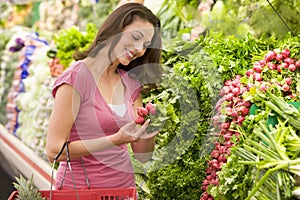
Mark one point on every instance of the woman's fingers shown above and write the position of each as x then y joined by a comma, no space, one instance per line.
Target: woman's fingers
142,130
147,122
149,135
143,133
138,132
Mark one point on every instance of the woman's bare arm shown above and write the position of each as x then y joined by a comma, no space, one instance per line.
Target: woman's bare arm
64,113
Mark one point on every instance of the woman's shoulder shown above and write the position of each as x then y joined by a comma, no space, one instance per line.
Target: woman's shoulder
77,75
75,66
76,69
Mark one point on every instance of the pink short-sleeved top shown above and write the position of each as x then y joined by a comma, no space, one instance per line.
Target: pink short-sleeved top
110,168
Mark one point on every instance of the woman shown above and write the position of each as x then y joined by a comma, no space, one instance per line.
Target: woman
96,100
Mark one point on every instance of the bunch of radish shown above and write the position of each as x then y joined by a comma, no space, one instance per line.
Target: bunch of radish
278,63
232,109
143,113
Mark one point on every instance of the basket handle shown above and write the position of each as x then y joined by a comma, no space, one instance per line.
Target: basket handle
65,145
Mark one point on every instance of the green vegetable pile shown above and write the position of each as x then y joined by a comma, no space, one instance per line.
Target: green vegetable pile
67,41
204,65
264,161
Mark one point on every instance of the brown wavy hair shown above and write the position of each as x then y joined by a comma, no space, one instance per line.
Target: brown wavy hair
146,69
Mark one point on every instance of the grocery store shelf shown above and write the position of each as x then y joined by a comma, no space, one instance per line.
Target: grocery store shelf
21,158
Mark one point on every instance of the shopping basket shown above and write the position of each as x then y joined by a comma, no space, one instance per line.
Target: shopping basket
87,194
84,193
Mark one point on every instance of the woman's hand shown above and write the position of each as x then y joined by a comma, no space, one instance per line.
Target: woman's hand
132,132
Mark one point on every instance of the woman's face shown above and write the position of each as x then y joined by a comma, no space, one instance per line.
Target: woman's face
135,39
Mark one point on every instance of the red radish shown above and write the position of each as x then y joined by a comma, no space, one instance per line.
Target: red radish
227,137
238,77
229,97
215,182
234,83
286,53
236,91
279,57
227,83
258,67
149,106
139,120
271,55
141,111
213,174
214,161
205,182
298,64
222,92
288,81
257,77
272,66
222,159
241,118
217,144
249,72
215,166
226,125
220,164
228,144
228,151
279,68
214,154
231,87
244,110
285,87
285,65
262,62
247,103
289,61
208,170
223,131
239,84
222,149
264,87
226,89
292,67
152,111
205,195
234,113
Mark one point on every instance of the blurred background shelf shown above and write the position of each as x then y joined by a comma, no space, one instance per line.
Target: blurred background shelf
17,158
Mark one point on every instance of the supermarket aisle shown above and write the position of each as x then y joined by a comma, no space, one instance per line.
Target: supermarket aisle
6,179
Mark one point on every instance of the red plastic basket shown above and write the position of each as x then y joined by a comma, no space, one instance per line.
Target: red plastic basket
87,194
84,193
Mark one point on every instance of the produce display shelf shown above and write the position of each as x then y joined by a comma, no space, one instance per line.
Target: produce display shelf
24,160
